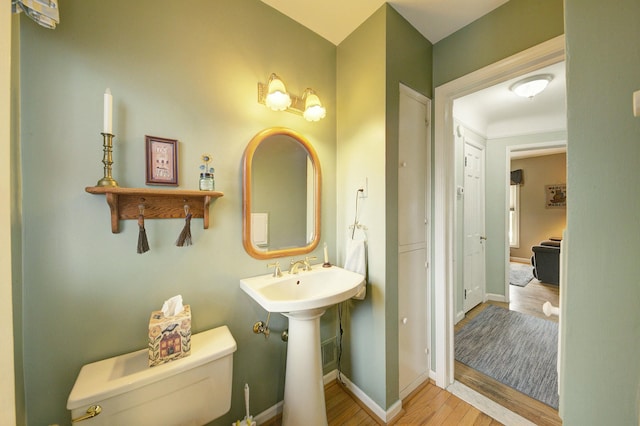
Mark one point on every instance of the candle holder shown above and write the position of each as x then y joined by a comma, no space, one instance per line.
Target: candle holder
107,160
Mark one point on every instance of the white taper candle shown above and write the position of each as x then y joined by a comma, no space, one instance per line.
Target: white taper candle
326,254
108,112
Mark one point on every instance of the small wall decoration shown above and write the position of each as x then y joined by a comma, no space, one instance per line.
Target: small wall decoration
162,161
556,196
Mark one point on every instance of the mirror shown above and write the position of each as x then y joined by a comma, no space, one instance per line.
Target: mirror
281,195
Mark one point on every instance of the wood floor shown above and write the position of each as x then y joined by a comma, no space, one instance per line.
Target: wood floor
428,405
527,300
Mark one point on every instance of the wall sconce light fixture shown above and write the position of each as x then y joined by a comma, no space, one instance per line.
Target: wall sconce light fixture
531,86
277,97
274,95
313,109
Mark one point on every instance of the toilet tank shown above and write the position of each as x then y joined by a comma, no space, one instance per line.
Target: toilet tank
188,391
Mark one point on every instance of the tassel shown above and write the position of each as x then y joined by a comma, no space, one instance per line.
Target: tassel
184,239
143,244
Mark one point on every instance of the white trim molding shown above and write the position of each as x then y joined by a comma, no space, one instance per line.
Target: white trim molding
384,415
542,55
494,297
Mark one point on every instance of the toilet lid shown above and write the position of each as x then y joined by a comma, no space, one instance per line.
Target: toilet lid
113,376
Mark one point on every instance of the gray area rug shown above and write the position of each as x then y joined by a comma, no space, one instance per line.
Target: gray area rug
518,350
520,274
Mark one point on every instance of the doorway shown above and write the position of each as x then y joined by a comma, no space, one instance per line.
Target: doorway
445,236
533,222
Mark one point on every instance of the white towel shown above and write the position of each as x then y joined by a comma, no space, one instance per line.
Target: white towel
356,261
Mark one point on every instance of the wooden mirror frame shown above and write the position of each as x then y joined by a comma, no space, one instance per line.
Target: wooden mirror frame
246,194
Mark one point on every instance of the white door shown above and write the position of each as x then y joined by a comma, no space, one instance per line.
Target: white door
474,238
413,240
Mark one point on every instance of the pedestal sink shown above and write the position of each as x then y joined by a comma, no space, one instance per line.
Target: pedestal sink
303,298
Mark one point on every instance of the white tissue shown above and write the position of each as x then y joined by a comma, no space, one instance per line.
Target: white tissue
173,306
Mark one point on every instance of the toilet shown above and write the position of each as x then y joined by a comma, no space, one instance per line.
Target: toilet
189,391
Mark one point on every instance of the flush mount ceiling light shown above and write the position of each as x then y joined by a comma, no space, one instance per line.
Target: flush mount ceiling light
274,95
531,86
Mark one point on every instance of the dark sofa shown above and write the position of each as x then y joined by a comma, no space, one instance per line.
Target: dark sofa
546,261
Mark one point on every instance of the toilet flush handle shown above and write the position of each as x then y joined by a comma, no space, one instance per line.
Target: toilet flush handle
92,411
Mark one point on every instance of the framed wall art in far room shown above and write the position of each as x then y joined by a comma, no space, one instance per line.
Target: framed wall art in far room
556,196
162,161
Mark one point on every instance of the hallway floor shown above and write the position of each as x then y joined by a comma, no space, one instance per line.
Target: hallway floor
527,300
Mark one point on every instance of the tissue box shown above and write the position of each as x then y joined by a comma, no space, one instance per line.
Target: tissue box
169,337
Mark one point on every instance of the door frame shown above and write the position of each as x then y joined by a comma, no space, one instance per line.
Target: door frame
445,237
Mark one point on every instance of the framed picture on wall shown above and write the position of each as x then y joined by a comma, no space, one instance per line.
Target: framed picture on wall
162,161
556,196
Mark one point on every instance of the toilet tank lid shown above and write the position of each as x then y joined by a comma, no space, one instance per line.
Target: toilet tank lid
113,376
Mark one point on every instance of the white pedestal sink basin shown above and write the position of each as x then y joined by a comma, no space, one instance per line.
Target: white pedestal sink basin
303,298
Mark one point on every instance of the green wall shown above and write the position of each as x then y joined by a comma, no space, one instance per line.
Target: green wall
188,73
383,52
361,101
509,29
602,333
16,220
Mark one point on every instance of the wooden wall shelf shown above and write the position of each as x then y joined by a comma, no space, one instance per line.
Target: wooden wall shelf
158,203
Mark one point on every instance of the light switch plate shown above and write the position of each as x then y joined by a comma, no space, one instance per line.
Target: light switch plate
636,103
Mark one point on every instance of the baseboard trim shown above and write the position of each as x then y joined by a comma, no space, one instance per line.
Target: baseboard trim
494,297
269,414
330,377
384,415
459,317
520,259
419,381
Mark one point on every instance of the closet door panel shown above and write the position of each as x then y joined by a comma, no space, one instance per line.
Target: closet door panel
412,300
412,172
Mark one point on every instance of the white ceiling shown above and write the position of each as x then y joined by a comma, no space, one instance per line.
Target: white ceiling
336,19
495,111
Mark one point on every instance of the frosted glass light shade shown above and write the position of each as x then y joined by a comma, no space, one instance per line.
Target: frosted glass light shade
313,109
531,86
277,97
